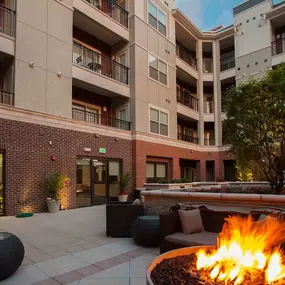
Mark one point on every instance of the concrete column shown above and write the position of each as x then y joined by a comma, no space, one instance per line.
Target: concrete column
200,91
219,169
217,93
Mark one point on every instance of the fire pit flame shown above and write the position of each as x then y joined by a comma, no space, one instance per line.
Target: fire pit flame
245,247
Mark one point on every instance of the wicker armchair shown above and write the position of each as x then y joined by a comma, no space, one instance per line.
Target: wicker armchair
120,217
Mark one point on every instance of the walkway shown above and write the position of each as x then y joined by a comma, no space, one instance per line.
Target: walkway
71,248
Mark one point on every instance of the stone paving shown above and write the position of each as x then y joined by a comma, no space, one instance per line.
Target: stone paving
71,248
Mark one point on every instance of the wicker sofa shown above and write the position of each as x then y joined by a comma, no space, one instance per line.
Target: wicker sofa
171,236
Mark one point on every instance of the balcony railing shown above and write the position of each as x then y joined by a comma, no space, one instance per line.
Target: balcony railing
278,46
99,63
227,61
6,98
7,21
209,141
185,55
208,66
112,9
186,98
209,107
94,118
187,138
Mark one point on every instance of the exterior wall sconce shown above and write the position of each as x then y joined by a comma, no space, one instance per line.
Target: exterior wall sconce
59,74
105,109
97,136
117,139
209,153
32,64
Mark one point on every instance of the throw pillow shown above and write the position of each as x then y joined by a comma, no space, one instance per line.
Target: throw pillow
191,221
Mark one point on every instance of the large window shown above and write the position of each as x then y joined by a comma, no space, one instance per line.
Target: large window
157,69
156,171
156,18
158,122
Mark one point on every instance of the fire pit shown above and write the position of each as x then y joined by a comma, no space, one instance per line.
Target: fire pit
247,253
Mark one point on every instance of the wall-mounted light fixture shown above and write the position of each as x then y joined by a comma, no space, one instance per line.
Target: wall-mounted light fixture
32,64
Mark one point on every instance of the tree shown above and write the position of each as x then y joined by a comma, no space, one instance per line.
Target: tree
255,126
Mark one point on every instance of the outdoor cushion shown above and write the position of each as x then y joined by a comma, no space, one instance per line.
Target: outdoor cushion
191,221
203,238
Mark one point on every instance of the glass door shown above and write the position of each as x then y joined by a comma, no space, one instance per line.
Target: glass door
1,184
100,192
114,180
83,185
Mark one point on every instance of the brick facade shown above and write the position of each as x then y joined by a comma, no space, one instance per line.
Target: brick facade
28,160
28,149
145,149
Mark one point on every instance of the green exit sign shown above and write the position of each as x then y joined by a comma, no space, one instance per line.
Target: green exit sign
102,150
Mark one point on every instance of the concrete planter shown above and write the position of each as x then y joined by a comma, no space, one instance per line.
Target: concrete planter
53,206
123,197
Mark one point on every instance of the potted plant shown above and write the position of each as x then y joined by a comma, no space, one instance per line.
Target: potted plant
54,186
124,182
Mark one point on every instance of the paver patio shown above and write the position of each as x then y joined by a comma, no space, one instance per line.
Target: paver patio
71,248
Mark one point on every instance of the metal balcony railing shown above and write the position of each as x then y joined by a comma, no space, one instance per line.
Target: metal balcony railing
209,107
278,46
186,56
187,138
99,63
209,141
94,118
112,9
227,61
186,98
6,97
7,21
208,66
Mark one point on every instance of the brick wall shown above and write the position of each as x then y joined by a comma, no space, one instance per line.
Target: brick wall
144,149
27,161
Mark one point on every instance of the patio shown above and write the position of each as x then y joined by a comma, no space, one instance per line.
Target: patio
71,248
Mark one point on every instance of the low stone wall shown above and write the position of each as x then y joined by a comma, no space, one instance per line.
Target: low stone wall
159,201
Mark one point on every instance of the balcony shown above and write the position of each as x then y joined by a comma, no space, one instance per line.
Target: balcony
185,98
209,107
113,10
186,56
278,51
208,70
99,72
7,21
6,98
187,138
96,118
104,19
208,142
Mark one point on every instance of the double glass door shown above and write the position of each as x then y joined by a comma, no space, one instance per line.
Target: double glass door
97,181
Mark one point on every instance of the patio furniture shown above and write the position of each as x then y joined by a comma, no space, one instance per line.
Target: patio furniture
171,230
145,231
120,217
11,254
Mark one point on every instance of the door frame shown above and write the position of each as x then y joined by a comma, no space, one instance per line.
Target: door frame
4,181
92,186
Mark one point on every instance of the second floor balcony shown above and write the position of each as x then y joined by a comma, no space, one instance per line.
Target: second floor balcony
186,56
100,64
209,141
185,98
6,97
187,138
7,21
95,118
208,66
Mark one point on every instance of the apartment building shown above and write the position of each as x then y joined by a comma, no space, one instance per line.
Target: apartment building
96,88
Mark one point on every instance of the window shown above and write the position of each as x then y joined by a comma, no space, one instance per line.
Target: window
88,113
156,171
157,69
158,122
156,18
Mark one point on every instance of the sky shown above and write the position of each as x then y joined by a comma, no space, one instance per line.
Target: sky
207,14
